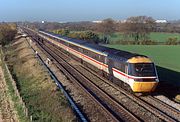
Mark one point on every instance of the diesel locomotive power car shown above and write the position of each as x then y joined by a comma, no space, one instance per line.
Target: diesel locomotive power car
138,72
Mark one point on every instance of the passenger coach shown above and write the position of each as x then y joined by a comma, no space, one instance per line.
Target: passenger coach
135,71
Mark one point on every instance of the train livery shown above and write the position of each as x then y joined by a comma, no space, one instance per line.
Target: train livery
135,71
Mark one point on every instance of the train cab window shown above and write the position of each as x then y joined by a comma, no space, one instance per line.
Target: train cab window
142,69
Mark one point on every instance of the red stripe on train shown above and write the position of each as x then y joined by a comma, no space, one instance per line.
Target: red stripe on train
119,72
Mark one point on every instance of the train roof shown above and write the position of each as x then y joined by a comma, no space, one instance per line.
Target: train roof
67,38
81,43
111,52
116,54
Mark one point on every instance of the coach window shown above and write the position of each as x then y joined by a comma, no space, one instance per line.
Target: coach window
95,55
69,45
75,47
91,54
105,60
65,43
80,49
100,59
123,67
120,66
86,52
72,46
116,65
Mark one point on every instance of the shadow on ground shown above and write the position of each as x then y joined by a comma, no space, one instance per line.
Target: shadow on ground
169,85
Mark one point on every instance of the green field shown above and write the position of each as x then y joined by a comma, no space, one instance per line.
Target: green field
161,37
156,36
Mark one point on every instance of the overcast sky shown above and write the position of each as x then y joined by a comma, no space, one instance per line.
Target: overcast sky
83,10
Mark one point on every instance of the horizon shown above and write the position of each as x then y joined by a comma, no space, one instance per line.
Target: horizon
94,21
90,10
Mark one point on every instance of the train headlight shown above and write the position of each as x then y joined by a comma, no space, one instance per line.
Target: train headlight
131,81
157,80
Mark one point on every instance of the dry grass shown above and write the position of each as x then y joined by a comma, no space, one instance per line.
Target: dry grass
7,110
177,98
44,101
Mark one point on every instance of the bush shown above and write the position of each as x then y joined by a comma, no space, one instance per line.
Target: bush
148,42
63,32
172,41
7,33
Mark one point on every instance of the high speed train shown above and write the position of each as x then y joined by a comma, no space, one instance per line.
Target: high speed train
135,71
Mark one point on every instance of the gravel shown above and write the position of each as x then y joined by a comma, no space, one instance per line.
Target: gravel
168,101
87,106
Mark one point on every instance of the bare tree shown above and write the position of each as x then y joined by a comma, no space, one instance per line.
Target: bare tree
7,32
107,27
139,27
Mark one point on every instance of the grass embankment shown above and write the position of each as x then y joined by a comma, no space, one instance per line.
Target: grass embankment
40,94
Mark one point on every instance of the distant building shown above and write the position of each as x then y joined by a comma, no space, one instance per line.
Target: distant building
98,21
161,21
122,21
61,22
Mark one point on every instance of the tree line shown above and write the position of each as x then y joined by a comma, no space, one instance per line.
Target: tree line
7,32
135,30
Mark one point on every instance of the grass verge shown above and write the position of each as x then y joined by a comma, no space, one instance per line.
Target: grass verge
44,101
11,91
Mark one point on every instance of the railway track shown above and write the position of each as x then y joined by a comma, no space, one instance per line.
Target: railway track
169,110
155,106
167,116
111,107
158,108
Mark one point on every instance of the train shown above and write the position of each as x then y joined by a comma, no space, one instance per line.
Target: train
136,72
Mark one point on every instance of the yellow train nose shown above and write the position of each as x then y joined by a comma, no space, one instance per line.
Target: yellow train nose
144,86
